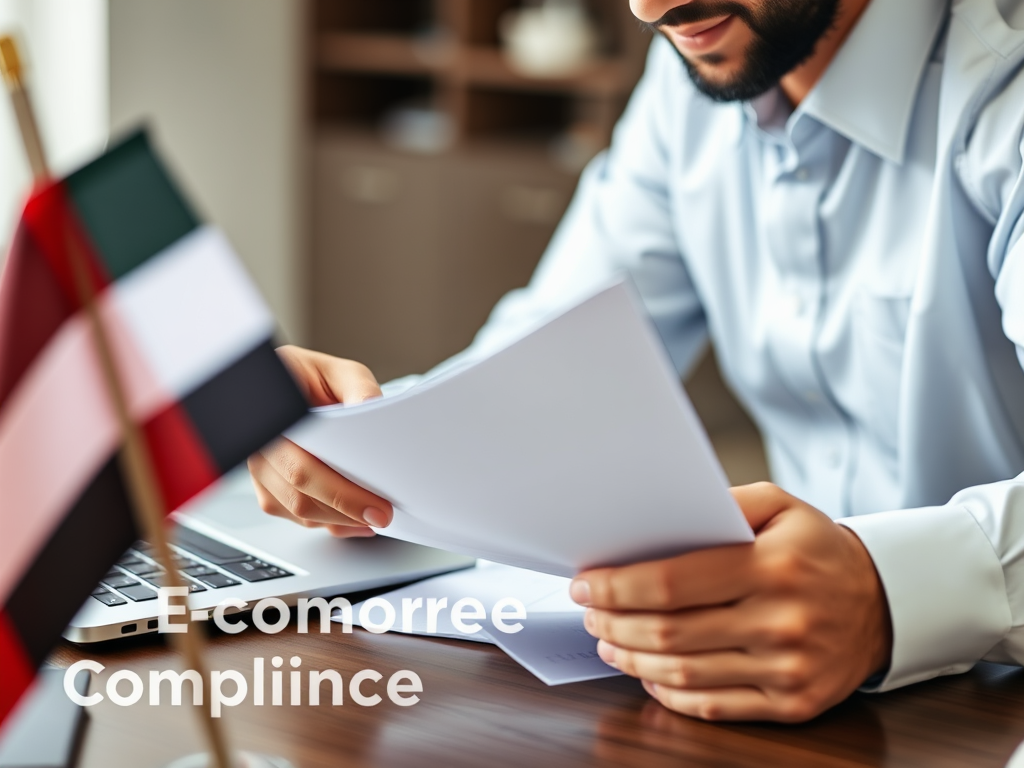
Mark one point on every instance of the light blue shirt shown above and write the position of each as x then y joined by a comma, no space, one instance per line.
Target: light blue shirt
858,264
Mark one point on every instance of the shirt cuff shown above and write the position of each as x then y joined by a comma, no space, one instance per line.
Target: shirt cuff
945,587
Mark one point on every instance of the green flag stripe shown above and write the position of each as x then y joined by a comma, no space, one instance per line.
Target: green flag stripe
129,205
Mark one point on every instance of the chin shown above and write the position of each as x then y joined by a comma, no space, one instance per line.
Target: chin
723,76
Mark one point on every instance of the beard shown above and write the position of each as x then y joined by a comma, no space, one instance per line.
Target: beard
785,35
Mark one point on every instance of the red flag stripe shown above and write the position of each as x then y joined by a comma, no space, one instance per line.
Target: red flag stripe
54,224
182,463
18,673
32,308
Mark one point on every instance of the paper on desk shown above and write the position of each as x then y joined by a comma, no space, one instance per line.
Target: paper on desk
552,644
487,582
556,648
574,446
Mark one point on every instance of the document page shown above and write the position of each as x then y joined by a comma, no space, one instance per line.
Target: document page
573,447
487,582
550,640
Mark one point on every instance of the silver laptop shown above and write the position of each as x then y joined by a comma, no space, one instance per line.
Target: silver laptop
225,546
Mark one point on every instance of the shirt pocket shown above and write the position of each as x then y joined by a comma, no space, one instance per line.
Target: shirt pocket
879,335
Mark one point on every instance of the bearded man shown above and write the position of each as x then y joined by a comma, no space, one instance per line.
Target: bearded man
831,192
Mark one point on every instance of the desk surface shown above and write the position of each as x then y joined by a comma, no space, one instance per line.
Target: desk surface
480,708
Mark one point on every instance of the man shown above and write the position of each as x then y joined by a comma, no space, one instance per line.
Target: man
833,193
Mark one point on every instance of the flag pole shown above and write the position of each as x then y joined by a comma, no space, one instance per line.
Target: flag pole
135,459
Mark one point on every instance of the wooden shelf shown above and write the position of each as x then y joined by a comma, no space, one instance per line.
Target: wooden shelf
378,54
489,67
467,65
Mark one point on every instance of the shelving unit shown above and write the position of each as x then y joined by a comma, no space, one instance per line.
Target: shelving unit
410,251
448,51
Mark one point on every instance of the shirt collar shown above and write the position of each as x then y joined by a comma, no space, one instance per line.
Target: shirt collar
869,90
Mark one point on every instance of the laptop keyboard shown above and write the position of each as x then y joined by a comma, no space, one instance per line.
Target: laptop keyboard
202,562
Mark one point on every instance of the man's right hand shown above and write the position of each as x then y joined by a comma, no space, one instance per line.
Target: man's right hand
297,486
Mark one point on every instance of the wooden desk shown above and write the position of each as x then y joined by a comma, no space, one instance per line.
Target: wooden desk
479,708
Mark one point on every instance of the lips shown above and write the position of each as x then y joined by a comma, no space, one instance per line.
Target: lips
700,38
697,28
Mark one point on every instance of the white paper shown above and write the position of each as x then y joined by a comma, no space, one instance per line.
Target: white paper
556,648
552,644
487,582
573,447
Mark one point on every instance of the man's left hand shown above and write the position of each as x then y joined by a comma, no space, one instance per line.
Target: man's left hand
781,629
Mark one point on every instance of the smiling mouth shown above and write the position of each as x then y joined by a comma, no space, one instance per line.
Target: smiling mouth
697,29
699,38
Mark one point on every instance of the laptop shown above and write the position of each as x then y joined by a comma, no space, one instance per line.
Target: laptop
225,546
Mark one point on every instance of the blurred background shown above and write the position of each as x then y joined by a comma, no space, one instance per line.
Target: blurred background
387,170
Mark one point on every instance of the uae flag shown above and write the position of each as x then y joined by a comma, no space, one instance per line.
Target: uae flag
191,338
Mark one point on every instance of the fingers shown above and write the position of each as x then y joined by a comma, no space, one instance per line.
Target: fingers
703,629
707,577
310,490
295,485
760,502
298,505
692,672
326,379
725,704
272,506
700,671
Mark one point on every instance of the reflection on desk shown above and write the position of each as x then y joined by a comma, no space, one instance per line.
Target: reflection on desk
479,707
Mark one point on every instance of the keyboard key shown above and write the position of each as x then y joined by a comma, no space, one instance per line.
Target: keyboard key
255,570
159,580
118,581
98,591
215,551
193,587
129,559
198,570
109,598
139,593
218,580
143,569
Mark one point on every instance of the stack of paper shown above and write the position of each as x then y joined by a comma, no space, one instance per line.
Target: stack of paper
573,447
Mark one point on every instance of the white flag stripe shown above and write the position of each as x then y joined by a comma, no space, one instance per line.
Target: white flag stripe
192,309
58,429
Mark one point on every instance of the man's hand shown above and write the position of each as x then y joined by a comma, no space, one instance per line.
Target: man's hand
297,486
781,629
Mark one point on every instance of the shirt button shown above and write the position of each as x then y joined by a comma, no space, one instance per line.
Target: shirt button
834,459
801,174
812,396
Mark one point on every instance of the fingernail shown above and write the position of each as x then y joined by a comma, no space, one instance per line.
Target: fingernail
375,517
579,591
607,653
589,620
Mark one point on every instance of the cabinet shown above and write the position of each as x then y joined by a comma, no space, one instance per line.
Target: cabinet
411,252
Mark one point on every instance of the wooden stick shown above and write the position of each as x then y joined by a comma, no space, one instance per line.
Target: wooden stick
134,457
10,65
